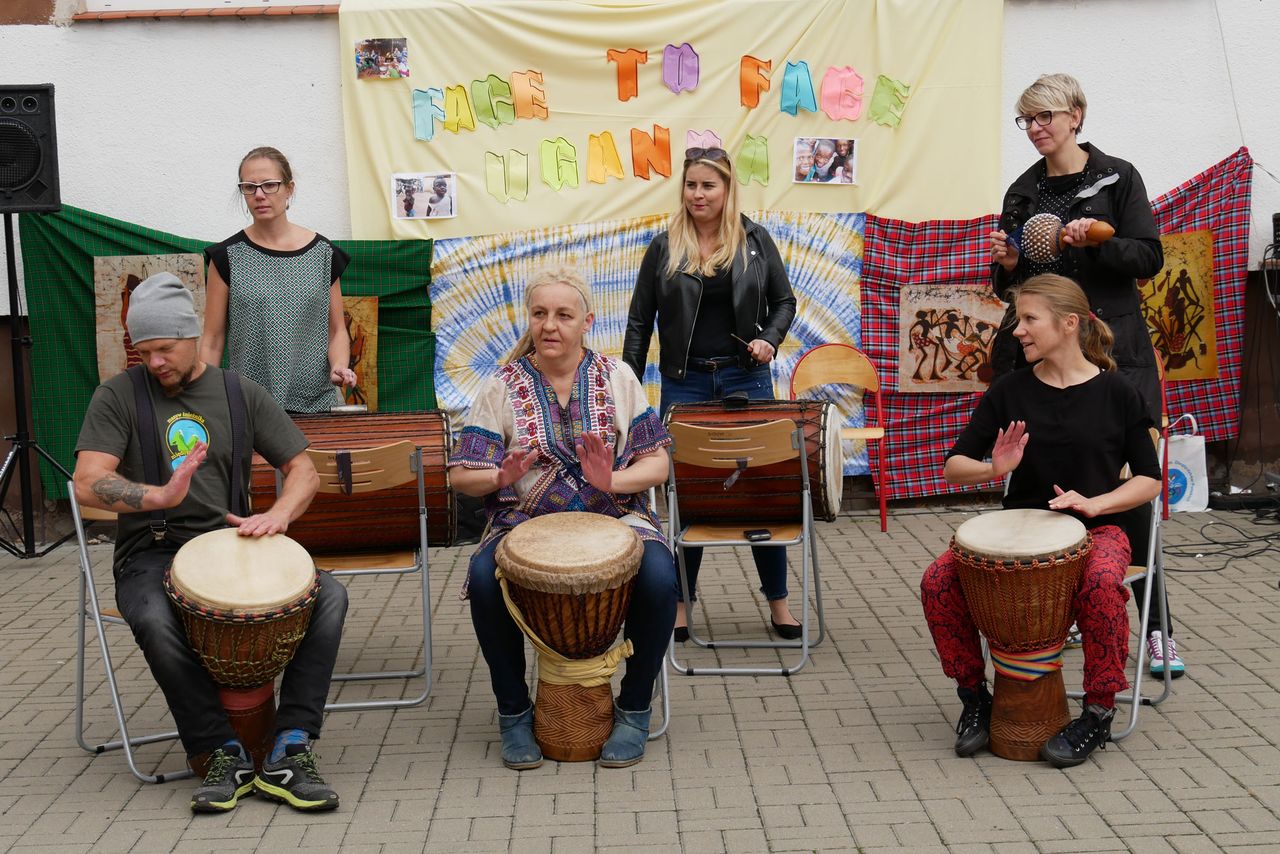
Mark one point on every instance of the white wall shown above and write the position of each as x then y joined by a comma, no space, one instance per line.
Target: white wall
153,116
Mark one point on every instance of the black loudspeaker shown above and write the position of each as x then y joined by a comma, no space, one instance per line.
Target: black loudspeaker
28,149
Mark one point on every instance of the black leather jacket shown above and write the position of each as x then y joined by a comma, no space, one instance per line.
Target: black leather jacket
1113,193
763,304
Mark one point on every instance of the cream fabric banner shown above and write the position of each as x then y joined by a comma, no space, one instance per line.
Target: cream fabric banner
558,112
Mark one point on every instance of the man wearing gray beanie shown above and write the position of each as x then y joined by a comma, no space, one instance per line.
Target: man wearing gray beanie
180,411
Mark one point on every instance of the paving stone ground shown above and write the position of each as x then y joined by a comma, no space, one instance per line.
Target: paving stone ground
853,753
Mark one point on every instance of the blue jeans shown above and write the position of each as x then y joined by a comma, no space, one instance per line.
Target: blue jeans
650,618
187,687
696,387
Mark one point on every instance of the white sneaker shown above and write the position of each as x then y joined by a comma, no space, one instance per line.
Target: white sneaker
1155,649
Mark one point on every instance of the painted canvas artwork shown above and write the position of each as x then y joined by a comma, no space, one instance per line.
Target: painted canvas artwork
114,279
1178,307
361,316
945,334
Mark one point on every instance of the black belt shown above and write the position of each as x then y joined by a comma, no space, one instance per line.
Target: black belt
710,366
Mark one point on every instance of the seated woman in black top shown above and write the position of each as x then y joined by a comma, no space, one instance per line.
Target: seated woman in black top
1063,428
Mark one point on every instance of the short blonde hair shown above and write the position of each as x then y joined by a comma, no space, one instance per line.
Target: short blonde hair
1053,92
552,274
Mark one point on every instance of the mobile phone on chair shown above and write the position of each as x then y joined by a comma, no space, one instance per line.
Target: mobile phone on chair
756,535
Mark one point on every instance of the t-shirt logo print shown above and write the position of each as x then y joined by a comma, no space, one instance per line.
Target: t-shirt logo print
181,435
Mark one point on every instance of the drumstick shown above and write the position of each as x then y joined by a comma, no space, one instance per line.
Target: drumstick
740,341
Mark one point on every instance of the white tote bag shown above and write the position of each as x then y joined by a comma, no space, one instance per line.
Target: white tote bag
1188,475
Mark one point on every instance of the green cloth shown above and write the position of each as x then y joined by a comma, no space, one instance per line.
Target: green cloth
57,256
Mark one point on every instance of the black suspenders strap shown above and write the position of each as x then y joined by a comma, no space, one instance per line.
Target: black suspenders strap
152,460
235,403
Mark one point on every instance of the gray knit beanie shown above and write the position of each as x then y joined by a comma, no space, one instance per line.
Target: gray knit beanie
162,307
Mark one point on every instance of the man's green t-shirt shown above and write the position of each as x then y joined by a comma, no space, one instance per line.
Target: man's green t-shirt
198,412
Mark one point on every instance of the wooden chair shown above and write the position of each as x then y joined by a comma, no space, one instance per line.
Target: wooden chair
735,449
841,364
365,470
92,612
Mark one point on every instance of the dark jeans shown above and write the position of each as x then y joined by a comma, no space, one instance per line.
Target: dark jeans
757,384
650,617
188,689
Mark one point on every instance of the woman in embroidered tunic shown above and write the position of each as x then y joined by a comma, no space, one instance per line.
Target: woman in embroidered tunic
273,288
560,427
1063,429
1081,185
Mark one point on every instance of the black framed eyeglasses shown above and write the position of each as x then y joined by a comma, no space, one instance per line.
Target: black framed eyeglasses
1041,118
248,188
692,154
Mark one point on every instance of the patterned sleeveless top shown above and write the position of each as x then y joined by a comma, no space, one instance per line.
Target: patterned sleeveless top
278,317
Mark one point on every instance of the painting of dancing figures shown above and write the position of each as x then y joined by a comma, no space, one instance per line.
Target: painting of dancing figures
945,335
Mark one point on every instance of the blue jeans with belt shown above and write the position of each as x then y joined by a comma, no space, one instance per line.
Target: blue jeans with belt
703,385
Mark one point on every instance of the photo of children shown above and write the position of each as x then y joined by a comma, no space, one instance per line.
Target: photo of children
823,160
382,59
423,195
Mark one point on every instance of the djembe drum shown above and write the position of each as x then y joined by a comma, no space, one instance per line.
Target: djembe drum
1020,571
245,603
567,581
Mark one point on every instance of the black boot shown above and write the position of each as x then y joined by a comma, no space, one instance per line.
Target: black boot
1079,738
973,730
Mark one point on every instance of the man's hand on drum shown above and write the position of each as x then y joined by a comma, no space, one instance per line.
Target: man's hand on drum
1074,501
259,524
1006,454
515,465
597,461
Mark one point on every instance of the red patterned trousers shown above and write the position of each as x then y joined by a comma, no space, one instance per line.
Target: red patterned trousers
1101,612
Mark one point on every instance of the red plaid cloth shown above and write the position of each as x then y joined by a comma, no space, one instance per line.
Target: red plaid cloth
921,428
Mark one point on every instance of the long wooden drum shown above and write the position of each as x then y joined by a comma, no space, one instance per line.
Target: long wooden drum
379,520
569,578
766,493
1020,571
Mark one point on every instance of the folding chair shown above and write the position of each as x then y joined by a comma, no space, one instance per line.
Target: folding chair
358,472
91,611
1153,576
841,364
734,450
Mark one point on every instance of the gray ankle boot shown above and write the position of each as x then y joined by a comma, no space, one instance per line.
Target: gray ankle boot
627,742
520,750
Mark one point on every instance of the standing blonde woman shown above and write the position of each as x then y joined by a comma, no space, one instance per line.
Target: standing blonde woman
717,287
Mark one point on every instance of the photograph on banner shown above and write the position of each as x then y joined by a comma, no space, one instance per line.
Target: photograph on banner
1178,306
824,160
945,333
114,279
424,195
382,59
360,314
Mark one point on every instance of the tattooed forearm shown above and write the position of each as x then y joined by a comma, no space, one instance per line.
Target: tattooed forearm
113,488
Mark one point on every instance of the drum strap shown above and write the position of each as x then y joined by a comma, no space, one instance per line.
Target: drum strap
153,459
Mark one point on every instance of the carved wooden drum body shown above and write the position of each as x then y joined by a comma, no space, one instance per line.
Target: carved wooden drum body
1020,571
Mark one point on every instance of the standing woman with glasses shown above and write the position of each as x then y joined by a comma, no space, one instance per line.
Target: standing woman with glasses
273,297
716,285
1080,185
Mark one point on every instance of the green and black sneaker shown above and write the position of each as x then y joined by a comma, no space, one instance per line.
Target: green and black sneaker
230,777
294,780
